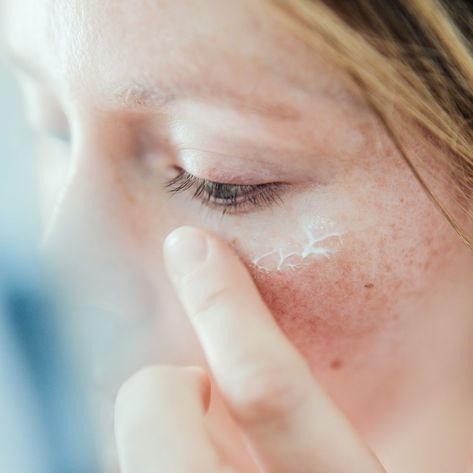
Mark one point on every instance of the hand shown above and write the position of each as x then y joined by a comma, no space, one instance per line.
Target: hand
288,421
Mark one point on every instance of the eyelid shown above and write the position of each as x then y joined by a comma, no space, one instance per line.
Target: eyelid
240,168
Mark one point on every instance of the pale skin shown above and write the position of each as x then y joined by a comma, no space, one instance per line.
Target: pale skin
356,362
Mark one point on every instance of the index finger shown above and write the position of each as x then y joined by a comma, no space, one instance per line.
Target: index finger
269,388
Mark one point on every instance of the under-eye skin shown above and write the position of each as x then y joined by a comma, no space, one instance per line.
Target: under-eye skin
227,198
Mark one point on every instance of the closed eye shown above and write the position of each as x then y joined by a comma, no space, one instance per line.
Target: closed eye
234,198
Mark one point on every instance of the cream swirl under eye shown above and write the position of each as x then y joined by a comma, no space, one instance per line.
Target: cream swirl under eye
312,239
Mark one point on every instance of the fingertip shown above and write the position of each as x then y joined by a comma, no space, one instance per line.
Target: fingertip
185,248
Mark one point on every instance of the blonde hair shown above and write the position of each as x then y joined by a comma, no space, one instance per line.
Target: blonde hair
413,54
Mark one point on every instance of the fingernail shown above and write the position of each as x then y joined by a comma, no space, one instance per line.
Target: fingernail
184,249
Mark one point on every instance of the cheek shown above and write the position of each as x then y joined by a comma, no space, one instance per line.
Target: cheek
349,303
331,305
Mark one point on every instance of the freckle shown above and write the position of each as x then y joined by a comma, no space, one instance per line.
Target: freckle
369,285
336,364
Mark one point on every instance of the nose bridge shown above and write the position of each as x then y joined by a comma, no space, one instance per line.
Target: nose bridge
90,244
89,237
85,206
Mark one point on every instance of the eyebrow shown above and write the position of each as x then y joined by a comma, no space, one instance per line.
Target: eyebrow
145,97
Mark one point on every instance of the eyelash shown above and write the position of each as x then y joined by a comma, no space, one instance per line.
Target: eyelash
228,198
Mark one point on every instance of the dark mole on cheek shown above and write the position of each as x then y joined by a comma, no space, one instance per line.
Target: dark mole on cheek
336,364
369,285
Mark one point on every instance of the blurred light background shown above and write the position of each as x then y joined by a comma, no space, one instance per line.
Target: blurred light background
19,429
43,419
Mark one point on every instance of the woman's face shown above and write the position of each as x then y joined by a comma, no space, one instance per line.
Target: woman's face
139,105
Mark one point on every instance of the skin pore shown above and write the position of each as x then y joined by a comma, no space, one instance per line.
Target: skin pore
126,96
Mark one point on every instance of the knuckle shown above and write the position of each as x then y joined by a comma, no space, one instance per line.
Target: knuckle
267,395
138,384
131,399
138,393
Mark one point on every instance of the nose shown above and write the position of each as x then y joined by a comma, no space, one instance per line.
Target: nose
88,229
89,242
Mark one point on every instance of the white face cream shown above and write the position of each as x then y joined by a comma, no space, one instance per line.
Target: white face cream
313,239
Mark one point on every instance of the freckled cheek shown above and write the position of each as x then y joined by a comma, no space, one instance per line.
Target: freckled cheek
346,302
323,284
329,301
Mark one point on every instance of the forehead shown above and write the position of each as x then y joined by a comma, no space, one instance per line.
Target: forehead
103,46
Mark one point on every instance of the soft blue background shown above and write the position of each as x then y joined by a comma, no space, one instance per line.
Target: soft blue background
20,441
